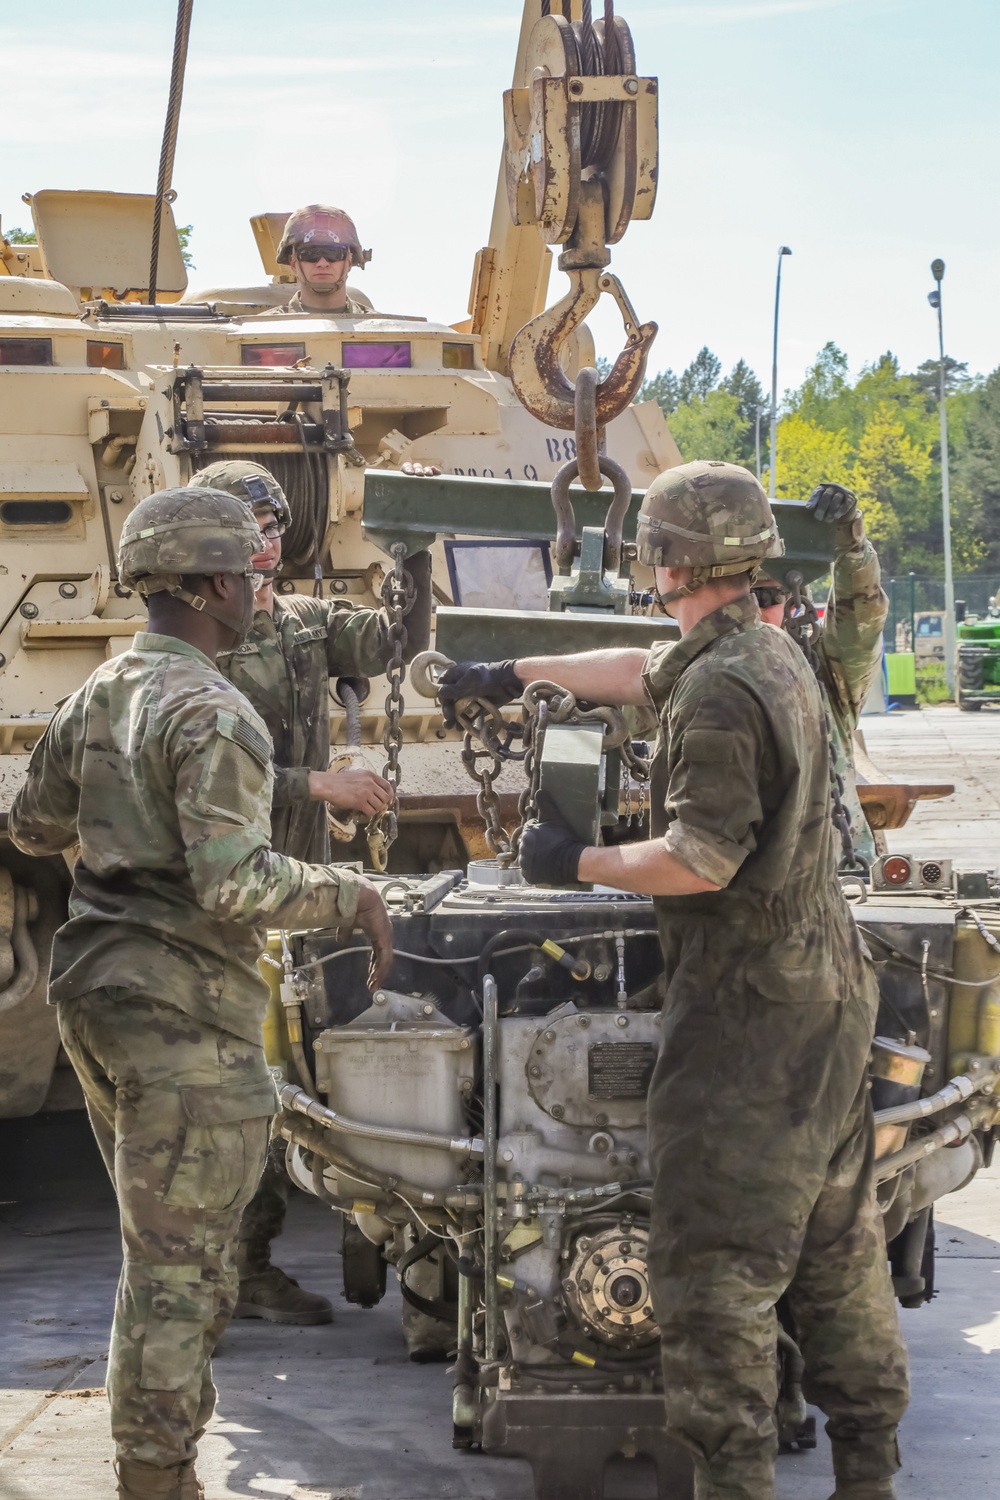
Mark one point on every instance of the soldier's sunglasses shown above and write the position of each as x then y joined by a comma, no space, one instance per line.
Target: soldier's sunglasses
767,595
313,253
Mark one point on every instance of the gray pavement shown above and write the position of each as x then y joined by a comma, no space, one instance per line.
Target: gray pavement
944,745
338,1413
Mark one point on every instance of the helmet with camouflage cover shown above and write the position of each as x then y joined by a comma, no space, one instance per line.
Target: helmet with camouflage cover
321,224
188,531
250,483
710,516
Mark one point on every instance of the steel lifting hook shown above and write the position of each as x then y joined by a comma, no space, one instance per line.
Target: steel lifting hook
535,366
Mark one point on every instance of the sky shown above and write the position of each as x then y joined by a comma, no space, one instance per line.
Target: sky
864,134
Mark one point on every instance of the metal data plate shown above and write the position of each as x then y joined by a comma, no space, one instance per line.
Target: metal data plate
401,507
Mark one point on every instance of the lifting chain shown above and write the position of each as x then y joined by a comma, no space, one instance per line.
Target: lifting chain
802,623
398,595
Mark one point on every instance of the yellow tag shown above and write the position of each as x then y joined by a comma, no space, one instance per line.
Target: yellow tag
583,1359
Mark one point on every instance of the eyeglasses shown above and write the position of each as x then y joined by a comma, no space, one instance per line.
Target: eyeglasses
767,595
313,253
272,531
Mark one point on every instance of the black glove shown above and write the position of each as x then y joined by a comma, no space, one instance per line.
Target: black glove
493,681
839,507
550,852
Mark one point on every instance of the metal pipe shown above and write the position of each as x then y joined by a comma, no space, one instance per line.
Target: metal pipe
464,1198
782,251
949,1135
937,271
468,1148
490,1082
954,1092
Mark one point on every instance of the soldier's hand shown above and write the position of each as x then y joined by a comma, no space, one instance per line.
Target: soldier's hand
373,920
832,503
420,471
493,681
550,851
360,790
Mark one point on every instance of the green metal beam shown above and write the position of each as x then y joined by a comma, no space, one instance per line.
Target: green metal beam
403,508
499,634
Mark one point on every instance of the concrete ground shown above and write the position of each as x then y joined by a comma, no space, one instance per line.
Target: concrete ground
338,1413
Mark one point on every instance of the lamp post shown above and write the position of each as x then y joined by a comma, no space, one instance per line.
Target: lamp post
934,298
783,250
759,412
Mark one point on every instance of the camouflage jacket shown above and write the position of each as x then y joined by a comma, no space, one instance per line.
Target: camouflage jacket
850,650
162,771
740,791
357,306
284,667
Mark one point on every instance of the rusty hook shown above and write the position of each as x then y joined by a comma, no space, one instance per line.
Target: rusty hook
565,548
535,367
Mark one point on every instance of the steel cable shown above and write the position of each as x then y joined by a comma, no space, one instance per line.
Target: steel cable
169,143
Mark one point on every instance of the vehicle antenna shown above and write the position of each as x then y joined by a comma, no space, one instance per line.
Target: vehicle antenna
169,145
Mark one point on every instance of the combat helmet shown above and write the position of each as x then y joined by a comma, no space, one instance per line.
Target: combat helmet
249,482
710,516
188,530
321,224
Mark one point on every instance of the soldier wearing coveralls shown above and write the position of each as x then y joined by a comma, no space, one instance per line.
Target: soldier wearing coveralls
295,647
849,645
761,1131
162,771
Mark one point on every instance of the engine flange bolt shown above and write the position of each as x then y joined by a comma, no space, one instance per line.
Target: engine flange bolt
580,1020
507,1155
598,1259
535,1071
557,1111
621,1020
625,1247
379,998
548,1036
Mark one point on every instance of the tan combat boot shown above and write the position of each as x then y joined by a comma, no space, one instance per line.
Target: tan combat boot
272,1295
138,1481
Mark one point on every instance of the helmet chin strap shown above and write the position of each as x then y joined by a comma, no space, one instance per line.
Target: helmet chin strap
171,584
701,576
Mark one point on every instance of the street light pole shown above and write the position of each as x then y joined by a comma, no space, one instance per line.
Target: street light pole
783,250
760,410
934,298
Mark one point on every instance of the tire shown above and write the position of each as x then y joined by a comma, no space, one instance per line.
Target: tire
970,680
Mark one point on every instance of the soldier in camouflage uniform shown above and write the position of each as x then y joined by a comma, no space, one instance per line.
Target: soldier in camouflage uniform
849,646
161,770
321,245
293,650
760,1123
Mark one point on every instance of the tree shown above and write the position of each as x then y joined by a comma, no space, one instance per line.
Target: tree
20,236
700,377
184,235
710,426
808,454
663,389
927,376
977,466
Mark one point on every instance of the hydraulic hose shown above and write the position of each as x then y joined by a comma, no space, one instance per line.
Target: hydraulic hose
26,978
466,1147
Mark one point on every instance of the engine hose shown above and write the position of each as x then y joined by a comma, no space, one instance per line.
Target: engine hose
444,1312
519,934
582,1360
300,1130
25,979
352,711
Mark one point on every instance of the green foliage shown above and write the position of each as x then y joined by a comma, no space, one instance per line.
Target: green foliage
184,235
931,686
878,433
20,236
711,426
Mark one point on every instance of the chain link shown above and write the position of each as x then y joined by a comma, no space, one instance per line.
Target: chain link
398,595
803,625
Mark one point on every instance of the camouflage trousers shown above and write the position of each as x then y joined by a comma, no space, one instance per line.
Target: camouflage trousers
181,1115
762,1145
264,1216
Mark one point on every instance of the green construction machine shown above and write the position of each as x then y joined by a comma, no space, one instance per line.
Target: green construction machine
977,680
